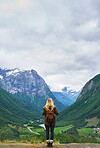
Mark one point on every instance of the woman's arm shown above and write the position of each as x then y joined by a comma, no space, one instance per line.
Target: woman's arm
56,111
44,111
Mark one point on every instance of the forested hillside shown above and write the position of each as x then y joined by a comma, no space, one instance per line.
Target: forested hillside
86,107
15,111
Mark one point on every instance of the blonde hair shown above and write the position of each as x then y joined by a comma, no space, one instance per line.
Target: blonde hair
49,103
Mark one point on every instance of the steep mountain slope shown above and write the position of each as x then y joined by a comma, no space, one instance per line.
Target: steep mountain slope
16,111
67,96
27,85
86,107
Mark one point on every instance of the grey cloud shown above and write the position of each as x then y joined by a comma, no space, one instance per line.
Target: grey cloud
59,22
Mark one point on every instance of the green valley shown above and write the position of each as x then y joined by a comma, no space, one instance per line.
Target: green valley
20,121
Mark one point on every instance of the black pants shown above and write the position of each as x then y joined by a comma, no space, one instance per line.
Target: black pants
47,131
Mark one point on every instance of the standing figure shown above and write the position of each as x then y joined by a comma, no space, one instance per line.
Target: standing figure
49,110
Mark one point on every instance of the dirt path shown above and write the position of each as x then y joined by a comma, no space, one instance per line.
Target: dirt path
54,145
32,131
78,146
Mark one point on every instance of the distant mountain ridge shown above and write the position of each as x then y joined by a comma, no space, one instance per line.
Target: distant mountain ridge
67,96
86,110
27,85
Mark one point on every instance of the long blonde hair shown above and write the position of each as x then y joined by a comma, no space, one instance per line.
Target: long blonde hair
49,103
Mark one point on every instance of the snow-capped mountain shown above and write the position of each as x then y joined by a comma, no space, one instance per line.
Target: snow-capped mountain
27,85
72,94
67,96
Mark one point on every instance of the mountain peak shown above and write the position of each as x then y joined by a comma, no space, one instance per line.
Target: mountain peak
68,89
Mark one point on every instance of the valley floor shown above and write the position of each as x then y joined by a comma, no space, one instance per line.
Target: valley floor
22,145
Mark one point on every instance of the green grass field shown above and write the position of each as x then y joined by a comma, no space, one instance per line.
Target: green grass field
40,130
85,131
57,130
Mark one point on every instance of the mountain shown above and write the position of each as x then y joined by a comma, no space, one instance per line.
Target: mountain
86,110
27,85
68,96
15,111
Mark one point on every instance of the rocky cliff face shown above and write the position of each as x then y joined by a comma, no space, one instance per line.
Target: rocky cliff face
91,85
27,85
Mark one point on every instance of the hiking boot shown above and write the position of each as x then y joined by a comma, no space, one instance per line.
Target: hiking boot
48,143
51,141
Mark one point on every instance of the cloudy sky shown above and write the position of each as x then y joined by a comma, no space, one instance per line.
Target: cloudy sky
60,39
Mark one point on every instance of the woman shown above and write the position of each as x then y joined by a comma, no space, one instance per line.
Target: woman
49,110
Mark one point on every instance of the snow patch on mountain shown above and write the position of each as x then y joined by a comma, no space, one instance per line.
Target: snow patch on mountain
68,90
14,72
1,77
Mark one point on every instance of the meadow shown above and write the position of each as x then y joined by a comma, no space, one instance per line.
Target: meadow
33,133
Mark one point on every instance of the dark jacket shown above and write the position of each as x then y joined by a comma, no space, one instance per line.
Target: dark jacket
45,112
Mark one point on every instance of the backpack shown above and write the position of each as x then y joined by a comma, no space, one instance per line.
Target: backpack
50,116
